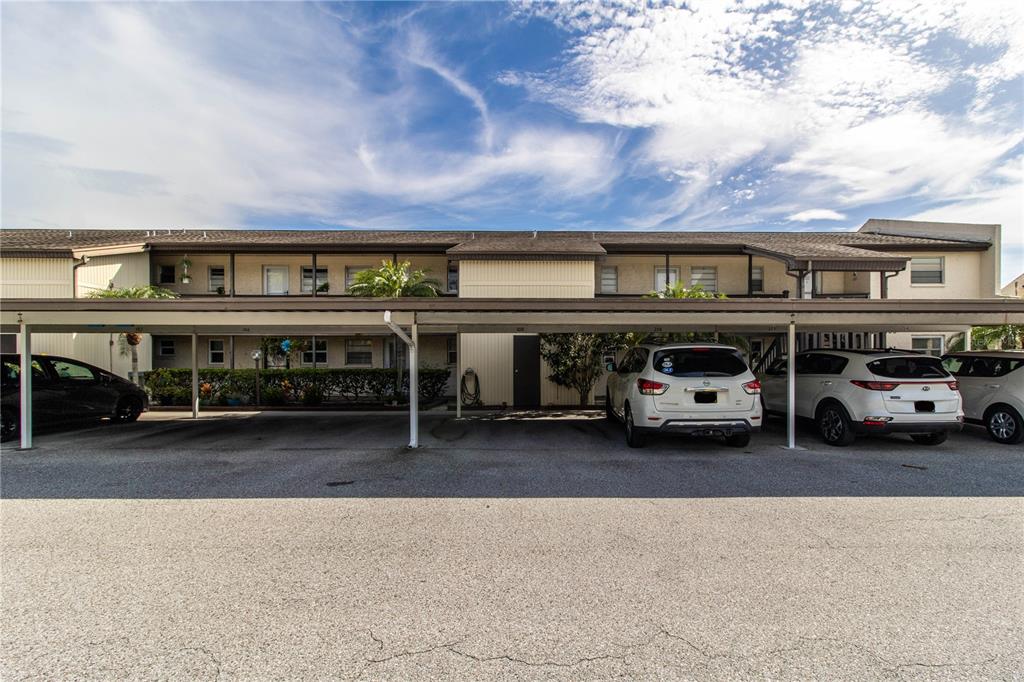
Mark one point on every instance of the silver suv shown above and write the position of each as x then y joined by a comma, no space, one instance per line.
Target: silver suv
992,386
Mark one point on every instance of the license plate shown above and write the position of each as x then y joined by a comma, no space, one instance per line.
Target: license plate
705,397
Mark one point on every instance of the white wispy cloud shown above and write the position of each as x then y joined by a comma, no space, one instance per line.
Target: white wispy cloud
816,214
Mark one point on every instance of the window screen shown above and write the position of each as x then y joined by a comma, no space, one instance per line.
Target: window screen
307,279
166,346
699,362
216,351
358,352
609,279
931,345
705,277
453,350
757,279
927,270
909,367
216,278
317,353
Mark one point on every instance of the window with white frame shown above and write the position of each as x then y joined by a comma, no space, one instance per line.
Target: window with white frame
358,352
453,350
350,274
706,276
307,279
927,270
166,347
757,279
216,352
665,277
932,345
316,353
165,274
216,278
609,279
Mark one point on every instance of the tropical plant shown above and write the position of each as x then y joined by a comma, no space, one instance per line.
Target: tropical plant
1006,336
393,280
677,290
129,341
576,360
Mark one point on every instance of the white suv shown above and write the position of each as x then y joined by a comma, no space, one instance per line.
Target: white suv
847,392
992,386
692,388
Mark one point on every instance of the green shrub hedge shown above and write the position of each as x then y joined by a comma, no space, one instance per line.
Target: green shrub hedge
306,386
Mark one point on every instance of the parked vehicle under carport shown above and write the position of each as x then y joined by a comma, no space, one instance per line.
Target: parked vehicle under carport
66,390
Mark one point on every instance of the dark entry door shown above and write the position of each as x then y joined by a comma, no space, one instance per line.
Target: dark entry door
526,371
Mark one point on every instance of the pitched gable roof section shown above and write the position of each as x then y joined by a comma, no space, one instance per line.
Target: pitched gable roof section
799,250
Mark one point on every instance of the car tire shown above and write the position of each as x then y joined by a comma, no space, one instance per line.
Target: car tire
634,437
834,425
128,410
738,440
1004,424
929,438
8,425
609,413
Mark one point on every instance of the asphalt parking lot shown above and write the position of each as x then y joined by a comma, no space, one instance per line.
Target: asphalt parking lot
295,545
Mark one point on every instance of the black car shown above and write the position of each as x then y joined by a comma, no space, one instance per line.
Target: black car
66,390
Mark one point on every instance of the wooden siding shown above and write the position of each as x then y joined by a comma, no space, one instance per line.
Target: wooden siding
526,279
36,277
125,270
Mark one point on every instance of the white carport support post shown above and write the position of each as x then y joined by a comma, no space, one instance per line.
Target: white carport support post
458,375
967,338
414,378
791,386
195,375
25,427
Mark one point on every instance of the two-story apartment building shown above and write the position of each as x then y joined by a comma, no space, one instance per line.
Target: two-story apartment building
884,259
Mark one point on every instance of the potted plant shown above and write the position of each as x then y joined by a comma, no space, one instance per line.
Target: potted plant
220,291
186,264
323,288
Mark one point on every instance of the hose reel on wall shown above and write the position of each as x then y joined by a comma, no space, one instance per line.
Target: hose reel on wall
470,396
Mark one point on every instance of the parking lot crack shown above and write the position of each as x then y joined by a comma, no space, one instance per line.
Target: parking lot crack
209,654
418,652
545,663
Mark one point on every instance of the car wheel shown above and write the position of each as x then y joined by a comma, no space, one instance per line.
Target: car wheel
738,440
609,413
127,410
834,426
8,425
634,437
1004,424
929,438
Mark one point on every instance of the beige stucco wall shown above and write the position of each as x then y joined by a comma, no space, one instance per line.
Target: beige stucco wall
636,273
249,269
526,279
964,278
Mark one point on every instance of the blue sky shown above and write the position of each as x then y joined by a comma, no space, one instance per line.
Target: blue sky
787,115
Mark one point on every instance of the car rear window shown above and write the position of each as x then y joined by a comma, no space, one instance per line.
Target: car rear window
699,362
909,367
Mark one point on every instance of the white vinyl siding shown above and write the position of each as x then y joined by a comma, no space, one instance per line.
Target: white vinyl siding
705,276
526,279
609,279
928,270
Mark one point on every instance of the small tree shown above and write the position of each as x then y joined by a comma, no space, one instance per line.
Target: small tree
576,360
1005,336
130,340
677,290
394,280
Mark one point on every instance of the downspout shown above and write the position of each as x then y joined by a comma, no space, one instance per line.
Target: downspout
74,275
414,387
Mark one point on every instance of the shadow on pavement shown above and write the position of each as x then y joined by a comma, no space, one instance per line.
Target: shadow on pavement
571,454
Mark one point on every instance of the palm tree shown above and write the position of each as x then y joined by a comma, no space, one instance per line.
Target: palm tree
130,340
677,290
393,280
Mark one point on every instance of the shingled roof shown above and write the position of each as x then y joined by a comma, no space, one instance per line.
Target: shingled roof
855,249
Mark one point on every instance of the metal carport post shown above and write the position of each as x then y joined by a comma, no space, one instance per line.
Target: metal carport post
25,413
414,377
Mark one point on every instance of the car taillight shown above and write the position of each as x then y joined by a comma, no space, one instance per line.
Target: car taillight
648,387
953,385
876,385
752,387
